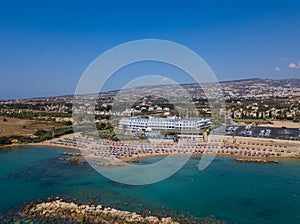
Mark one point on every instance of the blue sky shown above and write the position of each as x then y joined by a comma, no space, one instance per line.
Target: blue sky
46,45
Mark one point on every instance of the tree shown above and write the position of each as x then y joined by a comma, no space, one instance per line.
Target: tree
53,132
242,115
68,123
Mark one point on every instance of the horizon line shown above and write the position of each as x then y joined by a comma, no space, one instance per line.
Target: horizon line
114,90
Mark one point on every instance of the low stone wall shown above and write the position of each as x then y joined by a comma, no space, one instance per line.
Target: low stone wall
89,213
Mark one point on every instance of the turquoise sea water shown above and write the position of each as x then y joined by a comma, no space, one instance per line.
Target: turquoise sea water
231,191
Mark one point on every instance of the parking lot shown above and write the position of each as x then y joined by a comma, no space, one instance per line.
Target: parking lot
265,132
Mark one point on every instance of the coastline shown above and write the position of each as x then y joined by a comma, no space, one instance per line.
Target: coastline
231,142
253,168
47,143
218,154
71,212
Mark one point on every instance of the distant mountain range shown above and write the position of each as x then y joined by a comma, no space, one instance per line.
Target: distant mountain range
243,88
291,82
271,82
240,89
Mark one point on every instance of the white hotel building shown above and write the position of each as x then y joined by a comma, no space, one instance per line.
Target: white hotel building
140,123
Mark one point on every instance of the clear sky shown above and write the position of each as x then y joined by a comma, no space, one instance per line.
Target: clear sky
46,45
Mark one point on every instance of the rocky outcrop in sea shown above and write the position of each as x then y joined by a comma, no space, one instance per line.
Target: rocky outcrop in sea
58,208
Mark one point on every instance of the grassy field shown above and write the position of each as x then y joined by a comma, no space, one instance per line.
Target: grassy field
13,126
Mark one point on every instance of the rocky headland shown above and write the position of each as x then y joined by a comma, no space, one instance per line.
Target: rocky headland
88,213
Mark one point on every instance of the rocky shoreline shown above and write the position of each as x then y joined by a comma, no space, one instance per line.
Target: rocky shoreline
71,154
88,213
256,160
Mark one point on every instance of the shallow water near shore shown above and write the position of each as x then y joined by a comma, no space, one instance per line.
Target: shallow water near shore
230,191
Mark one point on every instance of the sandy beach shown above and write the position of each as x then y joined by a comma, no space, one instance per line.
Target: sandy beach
127,150
114,151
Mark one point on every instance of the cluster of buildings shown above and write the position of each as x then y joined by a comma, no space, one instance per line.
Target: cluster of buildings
261,89
246,110
277,99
